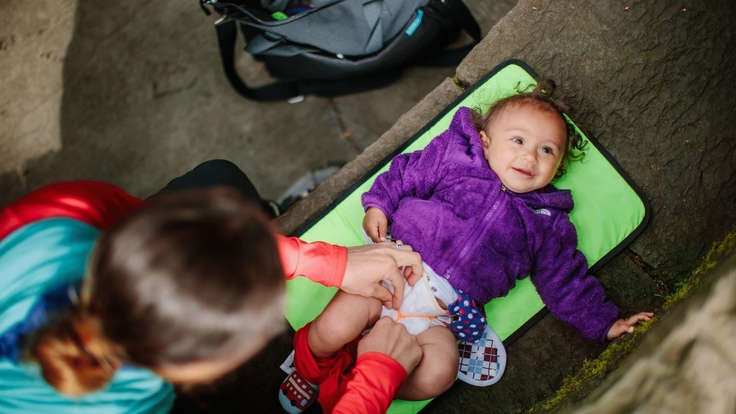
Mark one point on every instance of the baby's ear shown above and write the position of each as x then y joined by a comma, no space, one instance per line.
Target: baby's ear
485,139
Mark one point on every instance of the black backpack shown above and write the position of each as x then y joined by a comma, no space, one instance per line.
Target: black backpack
337,47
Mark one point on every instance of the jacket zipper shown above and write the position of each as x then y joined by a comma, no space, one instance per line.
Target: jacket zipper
476,234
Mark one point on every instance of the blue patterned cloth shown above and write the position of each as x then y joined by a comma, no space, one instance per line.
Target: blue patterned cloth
46,306
468,322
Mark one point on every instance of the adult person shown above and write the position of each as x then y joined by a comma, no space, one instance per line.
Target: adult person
108,299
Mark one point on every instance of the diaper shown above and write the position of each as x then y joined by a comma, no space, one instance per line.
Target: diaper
421,308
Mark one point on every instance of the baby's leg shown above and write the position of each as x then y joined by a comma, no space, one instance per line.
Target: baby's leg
438,369
344,318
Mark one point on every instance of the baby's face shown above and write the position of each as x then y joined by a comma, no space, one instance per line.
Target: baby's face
524,147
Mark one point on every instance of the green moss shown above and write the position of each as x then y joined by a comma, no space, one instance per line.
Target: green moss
610,359
717,251
462,85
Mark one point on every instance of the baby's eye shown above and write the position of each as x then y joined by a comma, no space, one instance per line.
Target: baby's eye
546,150
517,140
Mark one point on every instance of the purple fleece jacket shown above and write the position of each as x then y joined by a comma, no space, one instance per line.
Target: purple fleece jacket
448,204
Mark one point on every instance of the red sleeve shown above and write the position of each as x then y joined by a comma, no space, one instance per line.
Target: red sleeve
92,202
375,380
320,262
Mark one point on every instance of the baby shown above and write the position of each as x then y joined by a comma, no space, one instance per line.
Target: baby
478,205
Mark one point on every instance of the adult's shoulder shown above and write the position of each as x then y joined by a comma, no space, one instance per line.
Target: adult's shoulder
93,202
47,235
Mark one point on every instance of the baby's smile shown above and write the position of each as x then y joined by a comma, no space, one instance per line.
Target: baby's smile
523,172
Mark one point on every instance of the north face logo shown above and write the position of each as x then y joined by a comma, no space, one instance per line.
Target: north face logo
543,211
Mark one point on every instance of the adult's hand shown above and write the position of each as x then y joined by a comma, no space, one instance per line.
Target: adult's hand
368,265
391,339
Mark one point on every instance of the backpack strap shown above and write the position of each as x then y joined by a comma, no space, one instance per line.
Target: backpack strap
227,34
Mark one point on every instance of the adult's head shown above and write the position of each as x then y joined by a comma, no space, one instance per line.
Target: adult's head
189,286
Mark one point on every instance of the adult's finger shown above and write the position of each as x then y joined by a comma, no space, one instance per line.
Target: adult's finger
368,265
396,279
383,294
411,262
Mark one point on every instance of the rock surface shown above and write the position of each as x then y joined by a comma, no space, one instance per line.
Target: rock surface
685,365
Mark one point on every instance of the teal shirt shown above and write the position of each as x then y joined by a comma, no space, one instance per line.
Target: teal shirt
35,259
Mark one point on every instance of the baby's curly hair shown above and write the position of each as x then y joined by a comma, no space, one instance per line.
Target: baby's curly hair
541,98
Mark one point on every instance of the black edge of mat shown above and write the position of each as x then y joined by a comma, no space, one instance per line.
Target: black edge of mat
451,107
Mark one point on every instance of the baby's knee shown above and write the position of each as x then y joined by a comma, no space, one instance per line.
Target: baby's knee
434,375
440,362
346,315
438,378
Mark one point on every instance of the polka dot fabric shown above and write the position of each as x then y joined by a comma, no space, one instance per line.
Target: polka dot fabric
468,323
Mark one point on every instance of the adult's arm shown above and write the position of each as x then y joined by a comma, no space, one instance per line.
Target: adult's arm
373,383
357,270
321,262
386,356
92,202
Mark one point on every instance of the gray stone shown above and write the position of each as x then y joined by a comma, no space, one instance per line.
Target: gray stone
687,364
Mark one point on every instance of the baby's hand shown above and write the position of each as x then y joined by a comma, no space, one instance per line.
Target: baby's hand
623,326
375,224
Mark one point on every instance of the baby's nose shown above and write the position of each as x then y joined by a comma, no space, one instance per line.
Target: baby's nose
530,156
